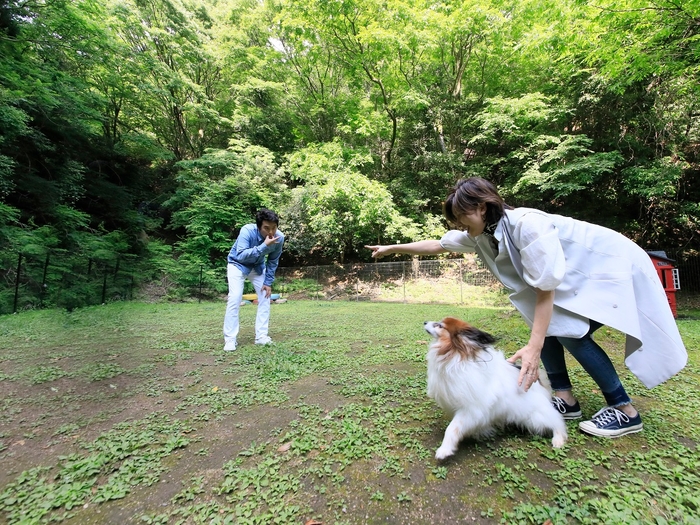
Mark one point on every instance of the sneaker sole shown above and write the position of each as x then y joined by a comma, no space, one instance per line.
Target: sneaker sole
572,415
595,431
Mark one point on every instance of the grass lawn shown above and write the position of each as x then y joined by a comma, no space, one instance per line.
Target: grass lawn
132,413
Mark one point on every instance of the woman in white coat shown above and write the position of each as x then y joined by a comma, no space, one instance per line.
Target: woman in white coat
568,278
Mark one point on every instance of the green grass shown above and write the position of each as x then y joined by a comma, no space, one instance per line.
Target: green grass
131,412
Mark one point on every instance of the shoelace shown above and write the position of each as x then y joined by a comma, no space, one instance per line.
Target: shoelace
608,415
559,404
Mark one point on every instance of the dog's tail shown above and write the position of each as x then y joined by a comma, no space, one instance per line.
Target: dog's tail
544,380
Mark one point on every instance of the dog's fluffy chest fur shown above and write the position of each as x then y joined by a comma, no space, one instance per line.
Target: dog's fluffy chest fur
454,381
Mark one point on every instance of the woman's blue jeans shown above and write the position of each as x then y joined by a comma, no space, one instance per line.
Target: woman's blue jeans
593,359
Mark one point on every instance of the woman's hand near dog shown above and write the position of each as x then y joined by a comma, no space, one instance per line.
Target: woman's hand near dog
529,355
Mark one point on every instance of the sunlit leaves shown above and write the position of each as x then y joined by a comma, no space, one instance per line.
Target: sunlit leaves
170,79
219,193
339,209
565,166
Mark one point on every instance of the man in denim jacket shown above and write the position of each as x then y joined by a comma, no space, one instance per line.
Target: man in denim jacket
254,256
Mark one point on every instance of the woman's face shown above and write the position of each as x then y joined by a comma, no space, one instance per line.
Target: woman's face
473,221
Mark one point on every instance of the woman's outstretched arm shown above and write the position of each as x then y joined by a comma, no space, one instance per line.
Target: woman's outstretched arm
427,247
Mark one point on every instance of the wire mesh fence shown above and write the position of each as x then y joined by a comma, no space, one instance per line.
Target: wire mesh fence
65,280
688,266
71,280
442,280
456,281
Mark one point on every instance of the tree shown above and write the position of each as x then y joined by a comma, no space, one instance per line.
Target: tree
632,77
339,210
218,194
50,132
169,75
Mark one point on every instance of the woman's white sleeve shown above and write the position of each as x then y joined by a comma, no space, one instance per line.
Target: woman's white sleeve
541,253
458,242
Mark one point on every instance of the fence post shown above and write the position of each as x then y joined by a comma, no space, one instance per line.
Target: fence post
43,282
19,269
201,271
403,279
104,286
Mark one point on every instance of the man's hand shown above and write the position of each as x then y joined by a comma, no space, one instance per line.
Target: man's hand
267,290
272,240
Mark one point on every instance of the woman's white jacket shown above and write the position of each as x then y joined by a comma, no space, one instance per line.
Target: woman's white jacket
596,273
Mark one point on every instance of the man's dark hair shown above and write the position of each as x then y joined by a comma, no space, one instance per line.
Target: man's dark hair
264,214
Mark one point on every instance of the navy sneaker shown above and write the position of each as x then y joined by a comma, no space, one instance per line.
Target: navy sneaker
611,422
566,410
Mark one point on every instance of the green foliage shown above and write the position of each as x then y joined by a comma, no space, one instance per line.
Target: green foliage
96,269
44,374
564,166
508,122
658,180
309,286
218,194
182,275
340,209
149,118
259,117
128,456
167,87
314,163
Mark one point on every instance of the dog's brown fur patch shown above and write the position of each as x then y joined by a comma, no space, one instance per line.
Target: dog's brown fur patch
457,336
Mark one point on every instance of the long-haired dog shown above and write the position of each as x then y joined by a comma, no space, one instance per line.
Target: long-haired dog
474,384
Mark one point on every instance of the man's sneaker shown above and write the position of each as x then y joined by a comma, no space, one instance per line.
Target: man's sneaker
264,341
230,346
611,422
567,411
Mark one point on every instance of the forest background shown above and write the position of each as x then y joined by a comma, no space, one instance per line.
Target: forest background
150,131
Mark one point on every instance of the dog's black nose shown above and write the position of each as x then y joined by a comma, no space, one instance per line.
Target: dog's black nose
425,322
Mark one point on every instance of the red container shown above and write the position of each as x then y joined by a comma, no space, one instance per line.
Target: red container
668,274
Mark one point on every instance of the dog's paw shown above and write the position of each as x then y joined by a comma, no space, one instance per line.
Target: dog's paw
558,440
443,453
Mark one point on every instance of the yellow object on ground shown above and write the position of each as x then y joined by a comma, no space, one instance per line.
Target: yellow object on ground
253,297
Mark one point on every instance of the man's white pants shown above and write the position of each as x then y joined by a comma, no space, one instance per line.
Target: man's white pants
235,296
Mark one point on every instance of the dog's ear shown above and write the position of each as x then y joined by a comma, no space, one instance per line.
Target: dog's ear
478,336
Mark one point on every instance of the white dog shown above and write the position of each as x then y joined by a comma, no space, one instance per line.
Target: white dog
478,388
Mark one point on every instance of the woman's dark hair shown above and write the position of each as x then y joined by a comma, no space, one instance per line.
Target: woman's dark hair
266,215
467,194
